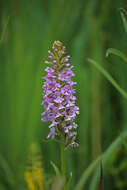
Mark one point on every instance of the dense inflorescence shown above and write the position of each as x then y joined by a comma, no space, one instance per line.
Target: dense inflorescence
58,97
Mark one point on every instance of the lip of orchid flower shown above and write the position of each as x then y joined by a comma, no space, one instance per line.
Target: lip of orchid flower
67,64
50,57
56,50
66,60
59,100
54,61
63,52
47,62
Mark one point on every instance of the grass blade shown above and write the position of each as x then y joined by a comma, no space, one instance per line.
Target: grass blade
123,19
4,31
116,52
115,144
106,155
87,173
10,178
109,78
69,182
56,169
100,187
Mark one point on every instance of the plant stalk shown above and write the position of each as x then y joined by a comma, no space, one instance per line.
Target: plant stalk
63,165
63,162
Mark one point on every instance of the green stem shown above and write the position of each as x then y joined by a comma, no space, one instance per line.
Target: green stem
63,163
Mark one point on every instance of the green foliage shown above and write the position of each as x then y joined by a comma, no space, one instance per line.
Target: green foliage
117,168
56,169
6,170
122,12
87,28
116,52
68,185
101,181
86,174
106,157
109,78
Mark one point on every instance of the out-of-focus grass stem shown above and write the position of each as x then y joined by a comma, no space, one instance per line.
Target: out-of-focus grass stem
63,163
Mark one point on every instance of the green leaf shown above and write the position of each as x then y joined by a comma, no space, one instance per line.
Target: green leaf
117,53
9,176
106,156
87,173
124,141
68,185
109,78
100,187
2,187
4,29
56,169
122,11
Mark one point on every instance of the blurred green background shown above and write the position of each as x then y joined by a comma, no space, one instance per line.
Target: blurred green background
87,29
